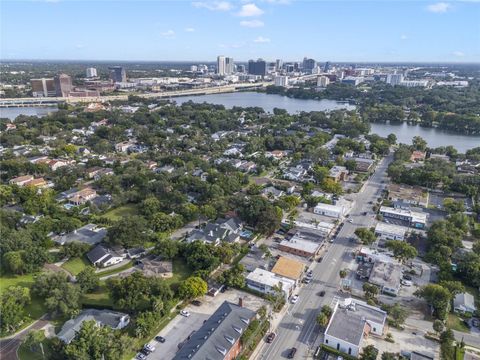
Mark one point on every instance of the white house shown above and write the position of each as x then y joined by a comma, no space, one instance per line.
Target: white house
334,211
390,231
264,281
464,303
102,257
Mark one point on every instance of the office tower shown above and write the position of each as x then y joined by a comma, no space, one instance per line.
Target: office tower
323,81
118,74
279,64
229,66
225,65
193,68
241,68
289,68
296,66
258,67
308,64
394,79
326,67
281,81
271,67
43,87
91,72
63,85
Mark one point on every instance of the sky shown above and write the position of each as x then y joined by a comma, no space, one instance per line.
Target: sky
337,31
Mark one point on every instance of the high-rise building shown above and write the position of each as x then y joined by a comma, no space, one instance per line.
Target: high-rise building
91,72
308,64
193,68
225,65
323,81
281,81
258,67
394,79
241,68
118,74
43,87
63,85
279,64
326,67
289,68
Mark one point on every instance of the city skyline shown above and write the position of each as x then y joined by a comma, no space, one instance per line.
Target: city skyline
347,31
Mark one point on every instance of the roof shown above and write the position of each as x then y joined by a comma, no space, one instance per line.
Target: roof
414,215
390,229
464,300
102,317
349,319
289,268
386,274
97,253
155,265
88,234
301,244
270,279
218,334
329,207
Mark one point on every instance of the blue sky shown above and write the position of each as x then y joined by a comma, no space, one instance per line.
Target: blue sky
200,30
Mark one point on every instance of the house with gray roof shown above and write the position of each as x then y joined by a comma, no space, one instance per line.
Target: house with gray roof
221,230
219,336
101,256
112,319
89,234
464,303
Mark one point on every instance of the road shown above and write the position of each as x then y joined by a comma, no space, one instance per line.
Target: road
9,346
298,328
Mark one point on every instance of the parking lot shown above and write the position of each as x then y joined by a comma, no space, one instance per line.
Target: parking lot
181,327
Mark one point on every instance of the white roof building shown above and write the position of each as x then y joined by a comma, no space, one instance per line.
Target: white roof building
464,302
334,211
390,231
264,281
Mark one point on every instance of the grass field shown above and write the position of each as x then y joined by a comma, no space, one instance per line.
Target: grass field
76,265
122,211
456,323
15,280
180,272
98,298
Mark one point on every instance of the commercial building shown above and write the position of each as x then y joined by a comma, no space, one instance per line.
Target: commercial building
225,65
394,79
112,319
265,282
308,65
414,83
118,74
334,211
351,323
323,81
281,81
43,87
219,336
289,268
464,303
91,72
63,85
279,64
415,219
352,80
390,231
386,275
299,246
412,195
258,67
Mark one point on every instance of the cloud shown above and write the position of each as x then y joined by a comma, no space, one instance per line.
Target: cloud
189,29
458,53
214,5
249,10
441,7
261,40
252,23
168,34
403,37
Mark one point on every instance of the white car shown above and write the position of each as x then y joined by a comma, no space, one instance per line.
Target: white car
406,283
149,347
294,299
350,221
184,313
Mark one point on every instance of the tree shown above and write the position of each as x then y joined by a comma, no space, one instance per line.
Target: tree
233,277
389,356
392,139
33,339
13,262
453,206
438,326
436,296
167,248
192,287
128,232
64,301
419,143
453,287
365,235
322,319
145,322
12,305
398,314
369,352
343,273
447,348
320,173
74,249
401,250
88,279
370,290
327,310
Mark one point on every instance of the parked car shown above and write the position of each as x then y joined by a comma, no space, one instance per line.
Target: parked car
321,293
184,313
320,259
350,221
271,337
160,339
406,283
292,353
196,302
294,299
149,347
141,356
407,277
307,280
364,213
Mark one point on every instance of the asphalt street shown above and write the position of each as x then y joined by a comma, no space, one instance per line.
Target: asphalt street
298,327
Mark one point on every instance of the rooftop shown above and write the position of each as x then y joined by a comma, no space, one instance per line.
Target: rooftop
289,268
391,229
89,234
301,244
268,278
386,274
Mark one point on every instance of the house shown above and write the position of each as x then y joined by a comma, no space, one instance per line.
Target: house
82,196
266,282
254,259
295,173
334,211
338,173
298,246
363,165
56,164
39,182
350,324
289,268
221,230
156,266
277,154
417,156
219,336
413,218
124,146
89,234
386,275
21,180
151,165
412,195
272,192
112,319
101,256
91,172
390,231
464,303
135,253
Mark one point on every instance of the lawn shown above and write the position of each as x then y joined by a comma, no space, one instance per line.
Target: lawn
115,270
181,271
15,280
121,212
75,265
456,323
98,298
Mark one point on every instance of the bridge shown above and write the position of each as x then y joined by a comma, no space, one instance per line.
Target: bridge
53,101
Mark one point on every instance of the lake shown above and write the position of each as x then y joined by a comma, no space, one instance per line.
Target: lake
404,132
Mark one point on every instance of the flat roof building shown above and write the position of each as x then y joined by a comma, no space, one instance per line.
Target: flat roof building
386,275
415,219
390,231
289,268
299,246
265,282
334,211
